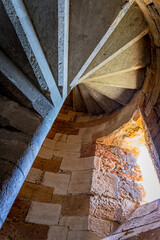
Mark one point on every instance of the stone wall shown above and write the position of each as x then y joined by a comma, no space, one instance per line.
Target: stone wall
143,224
77,188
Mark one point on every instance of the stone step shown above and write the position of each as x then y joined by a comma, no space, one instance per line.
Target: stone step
135,57
131,28
128,80
106,103
120,95
92,106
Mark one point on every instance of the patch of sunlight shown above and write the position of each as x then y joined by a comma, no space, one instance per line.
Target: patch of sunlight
150,180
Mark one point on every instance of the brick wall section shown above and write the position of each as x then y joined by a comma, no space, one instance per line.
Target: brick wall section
71,190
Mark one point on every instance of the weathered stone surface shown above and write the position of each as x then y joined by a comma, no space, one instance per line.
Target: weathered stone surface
4,236
64,127
145,209
49,165
60,137
11,178
73,205
140,221
73,163
58,181
88,150
18,117
74,222
44,213
99,226
45,153
140,233
131,160
57,233
78,235
49,143
35,175
25,231
16,142
106,208
67,147
19,210
105,184
36,192
80,182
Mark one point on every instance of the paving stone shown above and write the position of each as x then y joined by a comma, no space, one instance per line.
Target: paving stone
80,182
58,181
57,233
35,175
73,163
74,222
36,193
44,213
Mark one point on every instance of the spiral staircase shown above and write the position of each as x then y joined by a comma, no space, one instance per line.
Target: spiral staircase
96,51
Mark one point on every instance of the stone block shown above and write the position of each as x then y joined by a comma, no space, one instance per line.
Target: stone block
4,236
88,150
99,226
131,160
49,165
63,153
19,210
60,137
35,175
80,182
45,153
58,181
57,233
44,213
73,205
36,193
85,134
73,163
68,147
75,222
105,184
49,143
78,235
24,231
106,208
